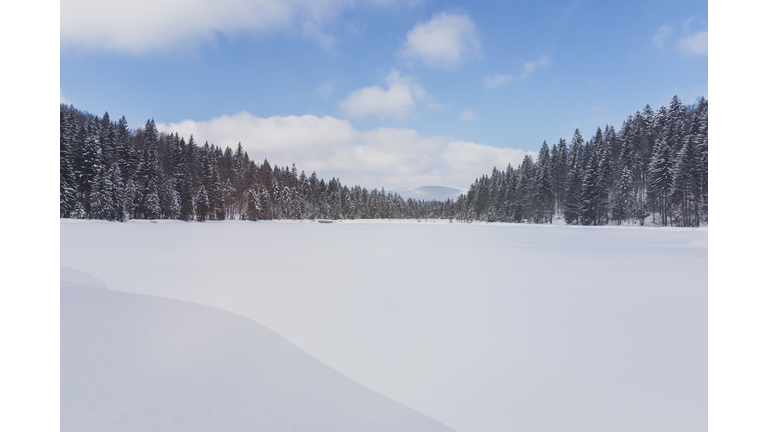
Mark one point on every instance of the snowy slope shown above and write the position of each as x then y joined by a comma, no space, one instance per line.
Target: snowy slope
483,327
131,362
428,193
70,277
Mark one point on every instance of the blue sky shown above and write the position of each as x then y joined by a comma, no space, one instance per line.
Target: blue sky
383,93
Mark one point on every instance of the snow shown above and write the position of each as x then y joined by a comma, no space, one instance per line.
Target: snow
483,327
75,278
131,362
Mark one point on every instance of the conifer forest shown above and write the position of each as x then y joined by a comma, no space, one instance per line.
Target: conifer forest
654,170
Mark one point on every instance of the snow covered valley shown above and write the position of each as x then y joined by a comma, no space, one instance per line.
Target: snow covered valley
482,327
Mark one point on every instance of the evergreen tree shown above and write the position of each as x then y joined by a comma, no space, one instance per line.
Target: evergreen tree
101,205
545,193
170,207
230,199
201,204
560,173
624,199
527,188
107,139
627,157
149,175
118,193
183,180
67,183
702,154
604,182
574,180
661,178
130,201
127,158
252,209
685,187
88,161
675,124
590,191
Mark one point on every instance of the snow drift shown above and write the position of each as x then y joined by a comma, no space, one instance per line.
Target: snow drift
133,362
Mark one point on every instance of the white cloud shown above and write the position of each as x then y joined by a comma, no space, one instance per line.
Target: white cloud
468,160
62,99
397,101
493,81
149,25
325,89
497,80
531,66
662,35
388,157
695,44
467,115
688,44
445,41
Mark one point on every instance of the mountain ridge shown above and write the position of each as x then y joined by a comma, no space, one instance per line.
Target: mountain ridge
428,193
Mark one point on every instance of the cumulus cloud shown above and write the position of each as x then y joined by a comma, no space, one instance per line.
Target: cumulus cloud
468,160
397,101
695,44
149,25
467,115
661,36
388,157
445,41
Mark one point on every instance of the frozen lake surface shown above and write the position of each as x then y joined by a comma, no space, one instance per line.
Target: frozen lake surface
483,327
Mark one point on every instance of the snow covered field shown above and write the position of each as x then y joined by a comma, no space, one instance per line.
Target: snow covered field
483,327
143,363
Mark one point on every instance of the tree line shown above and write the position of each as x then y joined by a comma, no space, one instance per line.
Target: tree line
109,171
655,166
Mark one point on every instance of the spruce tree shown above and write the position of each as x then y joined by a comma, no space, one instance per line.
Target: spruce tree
661,177
251,209
685,187
560,173
130,200
67,183
545,193
702,154
604,182
623,198
201,205
230,200
590,193
149,175
118,193
574,180
127,158
88,161
101,206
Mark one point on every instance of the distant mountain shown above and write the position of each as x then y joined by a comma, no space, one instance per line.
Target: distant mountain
428,193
